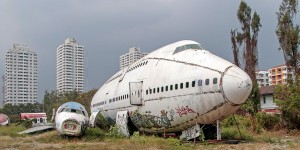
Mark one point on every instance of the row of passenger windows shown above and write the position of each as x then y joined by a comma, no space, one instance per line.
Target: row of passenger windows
138,65
179,86
118,98
161,89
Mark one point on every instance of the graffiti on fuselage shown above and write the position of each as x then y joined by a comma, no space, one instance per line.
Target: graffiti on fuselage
184,110
148,121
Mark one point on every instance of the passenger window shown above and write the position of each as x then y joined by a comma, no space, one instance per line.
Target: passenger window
166,88
199,82
176,86
187,85
207,82
215,81
193,83
150,90
181,85
157,90
146,92
162,89
171,87
127,95
113,99
153,90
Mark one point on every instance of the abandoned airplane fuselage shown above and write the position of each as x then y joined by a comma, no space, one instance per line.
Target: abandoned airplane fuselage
71,119
173,88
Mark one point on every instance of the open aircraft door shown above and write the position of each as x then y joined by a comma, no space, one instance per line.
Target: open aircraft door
122,121
136,91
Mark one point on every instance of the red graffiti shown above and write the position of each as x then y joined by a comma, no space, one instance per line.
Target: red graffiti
184,110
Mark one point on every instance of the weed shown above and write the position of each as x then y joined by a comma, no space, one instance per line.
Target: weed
114,131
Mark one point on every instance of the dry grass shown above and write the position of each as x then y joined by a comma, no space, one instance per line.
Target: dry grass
50,140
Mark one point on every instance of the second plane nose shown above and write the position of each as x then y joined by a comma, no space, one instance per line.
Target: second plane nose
236,84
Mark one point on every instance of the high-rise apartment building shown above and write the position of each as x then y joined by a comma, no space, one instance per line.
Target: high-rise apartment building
280,74
129,58
262,78
21,76
70,66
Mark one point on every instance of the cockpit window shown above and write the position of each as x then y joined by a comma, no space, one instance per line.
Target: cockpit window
188,46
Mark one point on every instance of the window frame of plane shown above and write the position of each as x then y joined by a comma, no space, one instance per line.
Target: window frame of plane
176,87
193,83
206,81
200,82
181,85
215,80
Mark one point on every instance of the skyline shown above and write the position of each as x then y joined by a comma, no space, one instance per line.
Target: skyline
108,29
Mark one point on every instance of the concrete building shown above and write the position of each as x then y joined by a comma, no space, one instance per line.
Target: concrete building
70,66
20,80
129,58
262,78
280,74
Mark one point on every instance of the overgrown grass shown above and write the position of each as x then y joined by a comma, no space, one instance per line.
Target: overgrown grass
95,138
12,130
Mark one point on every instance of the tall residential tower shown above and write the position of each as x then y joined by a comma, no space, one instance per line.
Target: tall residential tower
129,58
70,66
20,80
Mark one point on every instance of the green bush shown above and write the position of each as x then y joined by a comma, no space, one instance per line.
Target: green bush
242,121
267,121
233,133
94,134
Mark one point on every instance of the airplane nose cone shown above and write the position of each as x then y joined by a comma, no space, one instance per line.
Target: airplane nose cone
236,84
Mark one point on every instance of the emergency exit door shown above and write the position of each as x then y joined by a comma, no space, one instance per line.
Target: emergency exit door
136,96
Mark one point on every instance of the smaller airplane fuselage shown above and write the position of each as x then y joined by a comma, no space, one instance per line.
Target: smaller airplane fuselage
71,119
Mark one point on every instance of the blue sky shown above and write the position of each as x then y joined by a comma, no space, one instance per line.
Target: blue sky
108,28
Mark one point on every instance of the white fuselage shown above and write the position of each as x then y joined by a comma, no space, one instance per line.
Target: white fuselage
174,90
71,119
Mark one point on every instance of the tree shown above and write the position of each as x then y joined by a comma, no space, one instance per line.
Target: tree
86,98
53,99
247,38
50,101
288,33
288,96
235,48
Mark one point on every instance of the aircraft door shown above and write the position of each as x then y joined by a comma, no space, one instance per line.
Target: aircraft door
136,91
